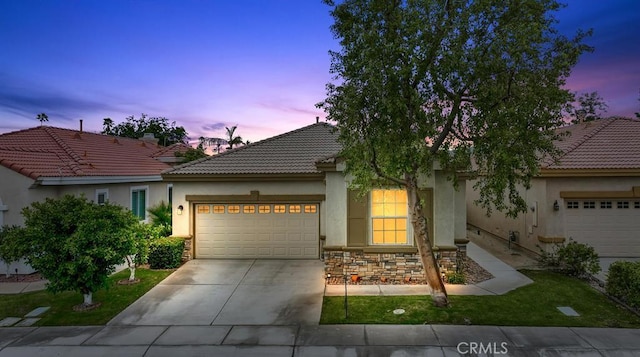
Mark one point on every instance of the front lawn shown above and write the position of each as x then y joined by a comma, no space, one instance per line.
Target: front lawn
114,299
531,305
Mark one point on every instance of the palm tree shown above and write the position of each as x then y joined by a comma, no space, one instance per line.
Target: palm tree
42,117
233,140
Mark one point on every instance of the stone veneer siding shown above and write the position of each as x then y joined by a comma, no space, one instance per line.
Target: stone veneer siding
394,268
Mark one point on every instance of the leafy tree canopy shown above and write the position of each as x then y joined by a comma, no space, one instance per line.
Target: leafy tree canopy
192,154
75,244
421,82
165,131
589,106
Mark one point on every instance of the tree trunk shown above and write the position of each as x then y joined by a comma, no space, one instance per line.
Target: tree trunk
131,262
88,298
421,237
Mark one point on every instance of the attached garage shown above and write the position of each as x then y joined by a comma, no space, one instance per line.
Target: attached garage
612,227
257,230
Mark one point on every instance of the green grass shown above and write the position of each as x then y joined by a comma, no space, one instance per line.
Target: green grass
114,299
531,305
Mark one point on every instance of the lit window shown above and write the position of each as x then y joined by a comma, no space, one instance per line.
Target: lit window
203,209
233,209
310,208
605,204
389,216
249,209
279,209
294,209
218,209
572,204
264,209
623,204
588,204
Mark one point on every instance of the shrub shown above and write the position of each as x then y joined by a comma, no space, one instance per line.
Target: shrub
455,278
575,259
166,253
161,217
623,282
10,248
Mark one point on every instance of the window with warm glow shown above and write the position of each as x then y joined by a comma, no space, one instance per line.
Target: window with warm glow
389,216
218,209
310,209
264,209
233,209
203,209
294,209
279,208
249,209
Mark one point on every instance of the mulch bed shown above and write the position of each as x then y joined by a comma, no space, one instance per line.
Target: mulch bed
473,274
20,278
86,307
128,282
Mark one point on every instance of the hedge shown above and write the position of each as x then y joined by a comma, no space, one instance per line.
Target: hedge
623,282
166,253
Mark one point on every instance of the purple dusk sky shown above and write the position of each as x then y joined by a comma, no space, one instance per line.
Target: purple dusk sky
258,64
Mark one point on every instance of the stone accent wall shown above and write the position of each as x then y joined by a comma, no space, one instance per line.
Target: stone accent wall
187,254
390,268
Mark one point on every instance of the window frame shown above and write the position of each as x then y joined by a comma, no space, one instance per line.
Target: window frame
102,191
408,229
133,189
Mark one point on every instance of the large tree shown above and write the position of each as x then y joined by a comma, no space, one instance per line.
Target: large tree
427,83
75,244
588,107
165,131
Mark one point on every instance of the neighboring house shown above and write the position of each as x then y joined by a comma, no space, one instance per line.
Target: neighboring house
287,197
591,195
44,161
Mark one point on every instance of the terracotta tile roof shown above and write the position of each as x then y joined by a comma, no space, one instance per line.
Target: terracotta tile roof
612,143
295,152
55,152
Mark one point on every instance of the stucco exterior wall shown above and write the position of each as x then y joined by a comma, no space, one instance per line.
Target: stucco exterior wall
183,224
120,193
336,204
527,226
16,193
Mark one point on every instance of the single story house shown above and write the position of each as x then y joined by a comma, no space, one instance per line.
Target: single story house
45,161
288,197
590,195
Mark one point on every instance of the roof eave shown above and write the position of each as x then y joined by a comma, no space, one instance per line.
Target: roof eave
319,176
589,172
94,180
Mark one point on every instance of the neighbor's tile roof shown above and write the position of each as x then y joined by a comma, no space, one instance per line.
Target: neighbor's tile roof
55,152
611,143
295,152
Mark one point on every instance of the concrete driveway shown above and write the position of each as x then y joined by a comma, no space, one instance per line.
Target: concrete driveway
233,292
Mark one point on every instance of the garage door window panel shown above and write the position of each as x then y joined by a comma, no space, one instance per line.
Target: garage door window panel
264,209
218,209
294,209
249,209
605,204
233,209
573,205
203,209
310,208
279,209
623,204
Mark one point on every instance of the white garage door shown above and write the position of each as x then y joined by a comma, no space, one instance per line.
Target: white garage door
612,227
257,231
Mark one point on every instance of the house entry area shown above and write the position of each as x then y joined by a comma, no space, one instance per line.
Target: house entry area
257,230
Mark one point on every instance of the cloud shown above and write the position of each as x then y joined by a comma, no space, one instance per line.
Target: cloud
214,126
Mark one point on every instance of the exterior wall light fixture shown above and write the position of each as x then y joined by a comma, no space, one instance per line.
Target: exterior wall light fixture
180,208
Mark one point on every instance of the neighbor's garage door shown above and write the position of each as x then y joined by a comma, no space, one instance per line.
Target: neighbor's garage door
612,227
257,231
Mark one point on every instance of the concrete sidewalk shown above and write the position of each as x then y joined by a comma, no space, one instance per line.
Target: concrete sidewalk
505,279
325,340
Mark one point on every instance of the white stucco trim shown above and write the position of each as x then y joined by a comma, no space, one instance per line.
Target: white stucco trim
91,180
